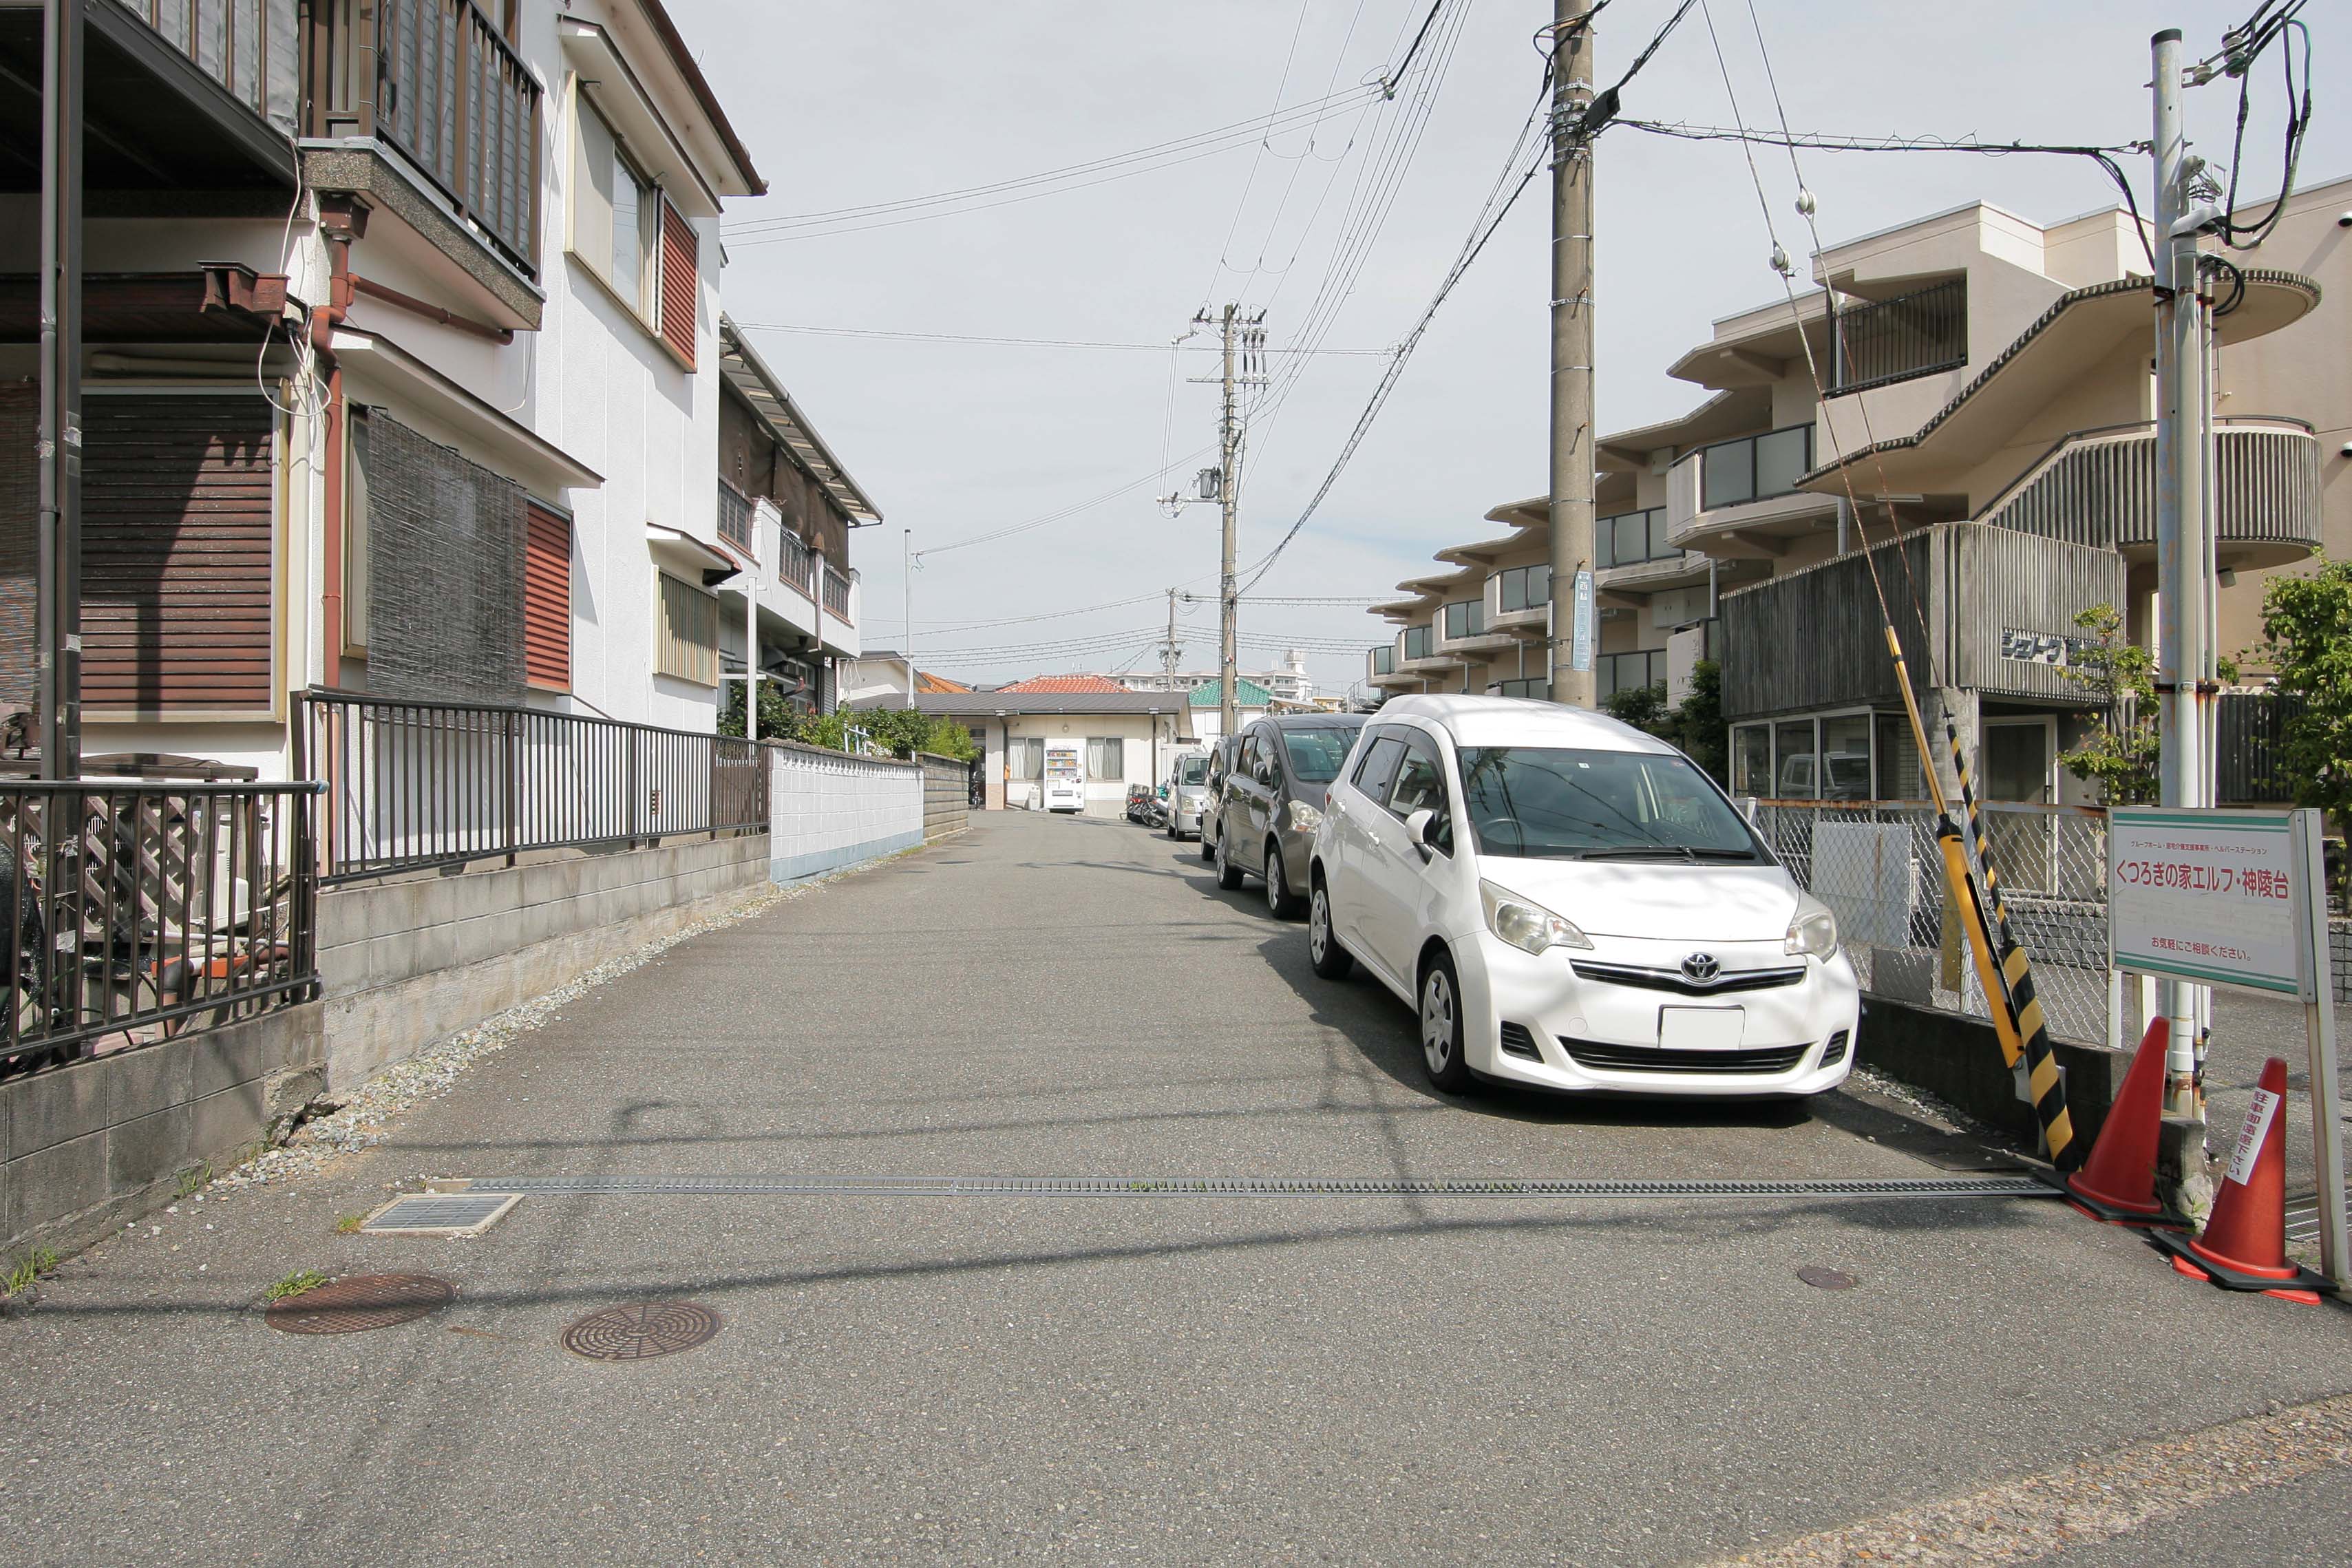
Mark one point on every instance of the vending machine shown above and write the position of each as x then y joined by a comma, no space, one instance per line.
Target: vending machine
1066,775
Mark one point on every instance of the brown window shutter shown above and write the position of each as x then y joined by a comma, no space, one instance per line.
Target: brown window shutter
547,598
178,529
681,261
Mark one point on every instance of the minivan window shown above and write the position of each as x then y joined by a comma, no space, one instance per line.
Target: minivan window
1315,754
1419,785
1379,767
1547,803
1192,770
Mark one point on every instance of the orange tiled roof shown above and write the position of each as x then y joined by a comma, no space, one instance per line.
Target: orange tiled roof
925,681
1063,683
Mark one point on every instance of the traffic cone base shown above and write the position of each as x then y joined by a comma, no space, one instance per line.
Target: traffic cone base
2300,1285
2117,1182
2245,1243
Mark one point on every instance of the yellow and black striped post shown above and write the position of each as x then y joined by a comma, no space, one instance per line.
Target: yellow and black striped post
2005,971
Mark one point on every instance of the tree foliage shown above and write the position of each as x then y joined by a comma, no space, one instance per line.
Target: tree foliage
2122,756
1694,724
2307,639
901,731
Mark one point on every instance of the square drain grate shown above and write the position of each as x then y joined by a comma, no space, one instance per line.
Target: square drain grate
440,1214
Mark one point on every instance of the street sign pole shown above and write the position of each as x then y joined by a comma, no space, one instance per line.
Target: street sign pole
2317,982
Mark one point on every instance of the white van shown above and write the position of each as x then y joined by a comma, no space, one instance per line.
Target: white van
1572,904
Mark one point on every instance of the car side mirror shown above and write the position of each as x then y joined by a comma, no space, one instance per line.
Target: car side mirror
1417,830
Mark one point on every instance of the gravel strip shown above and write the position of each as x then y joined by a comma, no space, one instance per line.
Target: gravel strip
2093,1500
369,1112
1938,1113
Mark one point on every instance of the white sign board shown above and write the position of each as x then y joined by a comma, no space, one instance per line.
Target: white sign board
1579,642
2207,896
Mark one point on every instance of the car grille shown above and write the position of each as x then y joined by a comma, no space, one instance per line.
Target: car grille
1675,980
1519,1042
1599,1058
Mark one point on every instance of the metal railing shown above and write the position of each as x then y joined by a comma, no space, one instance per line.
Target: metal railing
251,47
1878,864
436,80
735,518
1751,468
1911,334
797,562
138,911
836,594
418,785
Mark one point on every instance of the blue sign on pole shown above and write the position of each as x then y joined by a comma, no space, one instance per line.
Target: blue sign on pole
1579,643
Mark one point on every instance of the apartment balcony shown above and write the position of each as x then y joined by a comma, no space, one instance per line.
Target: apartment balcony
425,109
1417,653
1882,342
188,110
2098,488
1381,671
1739,497
1634,557
1462,632
1518,598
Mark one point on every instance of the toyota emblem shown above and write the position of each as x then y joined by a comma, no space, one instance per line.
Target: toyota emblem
1700,969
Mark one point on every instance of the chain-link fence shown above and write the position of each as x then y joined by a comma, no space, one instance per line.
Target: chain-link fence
1878,864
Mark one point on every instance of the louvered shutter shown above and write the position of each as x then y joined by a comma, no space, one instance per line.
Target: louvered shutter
547,598
681,262
20,505
178,611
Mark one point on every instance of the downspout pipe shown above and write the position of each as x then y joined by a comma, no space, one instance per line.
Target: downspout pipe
341,220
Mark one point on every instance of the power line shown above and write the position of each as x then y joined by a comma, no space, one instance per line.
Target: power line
992,341
1070,511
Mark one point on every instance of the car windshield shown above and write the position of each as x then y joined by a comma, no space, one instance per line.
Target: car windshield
1315,754
1545,803
1192,770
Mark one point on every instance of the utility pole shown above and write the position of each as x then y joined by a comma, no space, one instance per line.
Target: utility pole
1229,441
58,610
1573,618
2183,588
907,575
1170,649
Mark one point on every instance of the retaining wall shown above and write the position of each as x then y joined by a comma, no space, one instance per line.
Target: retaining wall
86,1146
409,963
827,810
947,795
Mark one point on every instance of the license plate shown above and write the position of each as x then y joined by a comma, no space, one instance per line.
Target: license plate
1700,1028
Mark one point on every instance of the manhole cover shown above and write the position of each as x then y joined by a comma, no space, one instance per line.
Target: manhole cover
361,1301
641,1330
1827,1278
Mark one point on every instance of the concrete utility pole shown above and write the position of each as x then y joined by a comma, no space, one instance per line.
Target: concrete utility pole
57,614
907,573
1572,613
2183,584
1170,649
1229,441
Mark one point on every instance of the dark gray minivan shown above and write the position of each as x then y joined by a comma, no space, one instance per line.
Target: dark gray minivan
1273,800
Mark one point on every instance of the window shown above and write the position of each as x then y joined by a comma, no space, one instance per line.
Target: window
1106,757
1793,757
1315,754
1751,760
1192,770
546,598
1898,760
687,635
1845,757
1466,619
1383,660
1024,757
615,215
1754,468
1419,785
1617,672
1523,588
1416,642
1378,770
1534,686
1549,803
1632,537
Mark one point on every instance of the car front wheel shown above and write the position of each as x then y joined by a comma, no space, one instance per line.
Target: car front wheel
1331,961
1441,1027
1229,876
1208,847
1279,900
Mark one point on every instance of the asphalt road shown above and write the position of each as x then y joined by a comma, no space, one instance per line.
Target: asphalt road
1161,1379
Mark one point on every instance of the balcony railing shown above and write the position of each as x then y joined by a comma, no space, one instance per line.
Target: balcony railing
1522,588
415,784
252,49
797,562
1464,619
2098,488
1885,340
1753,467
135,912
1416,643
1632,537
735,519
1383,662
437,80
836,594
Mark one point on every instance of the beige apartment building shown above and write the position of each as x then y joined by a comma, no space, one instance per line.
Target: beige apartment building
1987,437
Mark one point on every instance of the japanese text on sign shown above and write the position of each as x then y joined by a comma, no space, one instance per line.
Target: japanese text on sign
2203,895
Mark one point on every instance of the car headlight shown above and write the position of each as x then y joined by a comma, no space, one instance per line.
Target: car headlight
1305,818
1812,931
1531,928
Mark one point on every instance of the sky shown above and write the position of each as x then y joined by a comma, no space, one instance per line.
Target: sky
1339,221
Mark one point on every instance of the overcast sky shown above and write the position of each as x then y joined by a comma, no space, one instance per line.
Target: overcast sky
845,106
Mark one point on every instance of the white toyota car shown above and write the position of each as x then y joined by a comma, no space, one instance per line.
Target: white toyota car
1571,904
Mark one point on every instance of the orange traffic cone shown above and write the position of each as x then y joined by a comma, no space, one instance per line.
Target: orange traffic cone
2117,1182
2245,1243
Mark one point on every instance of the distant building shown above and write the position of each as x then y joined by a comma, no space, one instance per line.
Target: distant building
1290,683
1250,700
883,674
1125,736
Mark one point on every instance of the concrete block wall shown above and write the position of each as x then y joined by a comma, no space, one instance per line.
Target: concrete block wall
827,810
408,963
84,1146
947,795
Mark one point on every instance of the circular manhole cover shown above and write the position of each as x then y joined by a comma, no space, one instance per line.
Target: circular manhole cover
641,1330
1827,1278
360,1301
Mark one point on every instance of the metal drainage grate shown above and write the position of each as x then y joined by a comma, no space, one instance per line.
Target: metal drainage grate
1274,1186
361,1302
641,1330
440,1214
